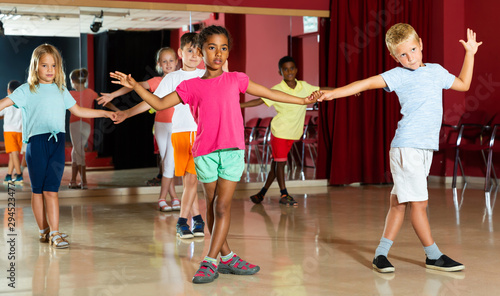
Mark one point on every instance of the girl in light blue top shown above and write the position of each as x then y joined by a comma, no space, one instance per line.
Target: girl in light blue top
43,101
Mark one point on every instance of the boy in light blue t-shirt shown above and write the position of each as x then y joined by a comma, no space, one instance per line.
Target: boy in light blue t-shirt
419,88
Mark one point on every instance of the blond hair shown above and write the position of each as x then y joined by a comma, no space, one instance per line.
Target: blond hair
158,56
38,53
399,33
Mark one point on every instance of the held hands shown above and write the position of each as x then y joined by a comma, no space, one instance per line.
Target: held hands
312,98
121,116
123,79
111,115
327,95
104,98
471,45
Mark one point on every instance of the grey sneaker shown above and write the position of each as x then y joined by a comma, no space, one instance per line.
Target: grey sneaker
183,231
237,266
206,274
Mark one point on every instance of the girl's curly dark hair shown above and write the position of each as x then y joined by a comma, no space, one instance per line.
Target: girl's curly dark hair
212,30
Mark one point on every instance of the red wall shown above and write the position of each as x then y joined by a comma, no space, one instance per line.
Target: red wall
450,20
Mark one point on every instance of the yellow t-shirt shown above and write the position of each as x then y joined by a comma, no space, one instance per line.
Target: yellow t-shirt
289,120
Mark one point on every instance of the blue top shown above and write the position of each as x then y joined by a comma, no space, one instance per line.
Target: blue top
44,111
421,97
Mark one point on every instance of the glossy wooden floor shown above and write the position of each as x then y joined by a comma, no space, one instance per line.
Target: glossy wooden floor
121,245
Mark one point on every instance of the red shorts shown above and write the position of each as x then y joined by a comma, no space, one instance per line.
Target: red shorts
280,147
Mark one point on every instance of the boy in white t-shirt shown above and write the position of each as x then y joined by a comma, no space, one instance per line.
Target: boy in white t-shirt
183,135
12,133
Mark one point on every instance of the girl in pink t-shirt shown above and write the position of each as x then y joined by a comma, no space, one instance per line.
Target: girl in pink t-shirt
219,146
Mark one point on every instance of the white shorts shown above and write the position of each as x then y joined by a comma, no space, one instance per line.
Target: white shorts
410,168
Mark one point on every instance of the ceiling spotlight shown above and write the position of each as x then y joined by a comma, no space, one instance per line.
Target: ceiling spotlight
2,30
97,23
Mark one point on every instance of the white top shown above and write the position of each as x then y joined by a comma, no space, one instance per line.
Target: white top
182,120
12,119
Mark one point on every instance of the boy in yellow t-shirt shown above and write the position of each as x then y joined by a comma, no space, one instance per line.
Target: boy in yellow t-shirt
286,127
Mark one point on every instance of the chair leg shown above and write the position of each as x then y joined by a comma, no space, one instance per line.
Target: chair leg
455,168
463,172
488,171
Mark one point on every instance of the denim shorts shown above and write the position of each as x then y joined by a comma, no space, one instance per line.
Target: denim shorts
45,159
228,164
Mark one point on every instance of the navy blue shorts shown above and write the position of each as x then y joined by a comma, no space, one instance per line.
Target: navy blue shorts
45,159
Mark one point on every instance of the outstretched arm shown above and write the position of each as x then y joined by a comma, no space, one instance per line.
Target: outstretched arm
5,102
137,109
258,90
110,106
354,88
252,103
108,97
167,101
462,82
91,113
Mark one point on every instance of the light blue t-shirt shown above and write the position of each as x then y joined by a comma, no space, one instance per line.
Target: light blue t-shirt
420,94
44,111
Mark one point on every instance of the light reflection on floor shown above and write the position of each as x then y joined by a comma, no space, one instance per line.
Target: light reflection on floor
121,245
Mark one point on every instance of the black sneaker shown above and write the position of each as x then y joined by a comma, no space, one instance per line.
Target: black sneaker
257,198
199,228
444,263
381,264
288,200
183,231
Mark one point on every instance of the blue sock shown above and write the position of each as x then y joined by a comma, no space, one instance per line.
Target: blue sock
433,252
198,218
383,247
284,192
182,221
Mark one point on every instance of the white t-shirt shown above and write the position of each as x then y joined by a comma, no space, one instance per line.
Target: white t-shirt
12,119
182,120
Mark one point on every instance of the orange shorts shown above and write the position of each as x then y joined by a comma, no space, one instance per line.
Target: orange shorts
13,141
183,155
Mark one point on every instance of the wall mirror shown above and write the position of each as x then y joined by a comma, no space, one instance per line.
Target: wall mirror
103,39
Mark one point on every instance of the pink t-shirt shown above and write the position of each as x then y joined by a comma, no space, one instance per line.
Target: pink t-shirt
85,99
162,115
215,105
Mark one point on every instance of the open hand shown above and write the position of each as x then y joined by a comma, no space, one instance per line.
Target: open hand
104,98
471,45
123,79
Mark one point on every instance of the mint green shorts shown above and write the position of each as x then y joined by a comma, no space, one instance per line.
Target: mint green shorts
228,164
